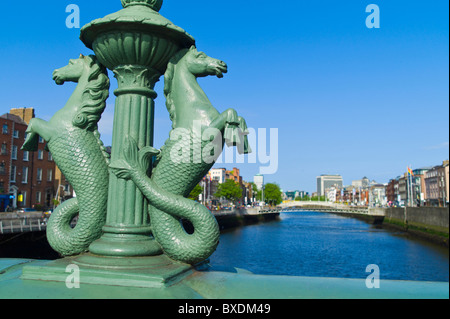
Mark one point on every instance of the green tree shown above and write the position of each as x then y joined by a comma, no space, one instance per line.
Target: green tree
272,194
230,190
196,192
318,199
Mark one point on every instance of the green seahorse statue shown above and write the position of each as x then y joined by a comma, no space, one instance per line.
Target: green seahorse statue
198,128
73,139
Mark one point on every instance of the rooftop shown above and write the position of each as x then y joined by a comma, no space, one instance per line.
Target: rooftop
13,118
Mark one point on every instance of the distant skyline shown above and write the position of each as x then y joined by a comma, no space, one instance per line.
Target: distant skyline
345,99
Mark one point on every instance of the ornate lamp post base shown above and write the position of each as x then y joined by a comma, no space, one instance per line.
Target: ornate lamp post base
136,43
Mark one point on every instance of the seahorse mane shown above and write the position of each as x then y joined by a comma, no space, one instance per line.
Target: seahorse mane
94,96
168,81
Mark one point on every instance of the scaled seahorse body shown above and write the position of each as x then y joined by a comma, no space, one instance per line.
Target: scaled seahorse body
170,183
79,157
72,138
173,179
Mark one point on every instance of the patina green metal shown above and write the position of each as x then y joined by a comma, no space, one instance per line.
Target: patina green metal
137,211
189,108
136,43
73,139
233,284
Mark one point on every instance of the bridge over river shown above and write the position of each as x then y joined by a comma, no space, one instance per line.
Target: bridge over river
327,207
236,283
431,223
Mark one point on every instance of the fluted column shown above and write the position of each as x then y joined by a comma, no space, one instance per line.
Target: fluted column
128,231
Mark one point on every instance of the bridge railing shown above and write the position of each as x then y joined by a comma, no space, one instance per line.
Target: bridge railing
328,210
22,225
248,211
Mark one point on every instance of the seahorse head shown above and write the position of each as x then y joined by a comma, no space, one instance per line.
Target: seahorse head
95,92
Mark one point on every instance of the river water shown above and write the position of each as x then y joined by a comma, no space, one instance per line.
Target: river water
325,245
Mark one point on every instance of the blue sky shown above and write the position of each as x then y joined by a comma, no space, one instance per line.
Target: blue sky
346,99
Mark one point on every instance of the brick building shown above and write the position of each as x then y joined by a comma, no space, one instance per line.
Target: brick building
419,186
234,175
392,191
350,194
218,176
436,184
446,181
32,178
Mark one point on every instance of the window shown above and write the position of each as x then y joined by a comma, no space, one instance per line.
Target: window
4,150
5,129
14,152
16,134
48,197
2,168
39,174
41,140
24,175
40,154
50,157
49,175
26,156
13,174
38,197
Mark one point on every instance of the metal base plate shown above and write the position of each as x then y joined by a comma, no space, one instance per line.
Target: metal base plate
144,272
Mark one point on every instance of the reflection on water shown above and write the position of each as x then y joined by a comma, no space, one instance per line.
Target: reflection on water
326,245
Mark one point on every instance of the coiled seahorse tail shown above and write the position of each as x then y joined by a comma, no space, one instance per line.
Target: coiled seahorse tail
80,150
168,208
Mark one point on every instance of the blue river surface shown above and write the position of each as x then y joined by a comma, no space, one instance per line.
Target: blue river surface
327,245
